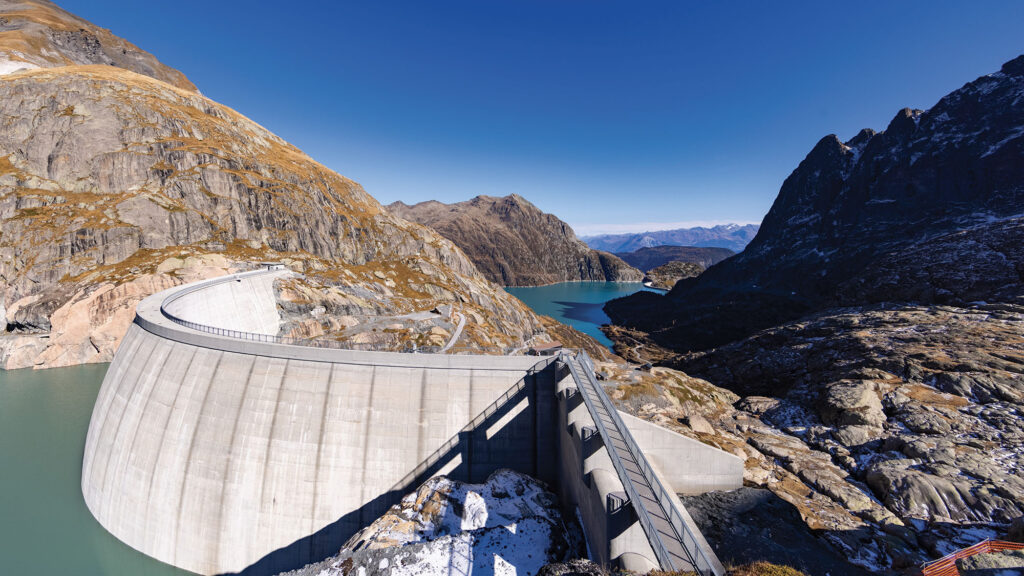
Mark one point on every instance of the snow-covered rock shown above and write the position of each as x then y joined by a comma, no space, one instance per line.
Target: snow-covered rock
508,526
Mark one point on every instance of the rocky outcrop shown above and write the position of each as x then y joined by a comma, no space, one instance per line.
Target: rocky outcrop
869,452
753,524
654,256
515,244
113,184
39,34
732,236
927,211
88,327
912,407
666,275
509,525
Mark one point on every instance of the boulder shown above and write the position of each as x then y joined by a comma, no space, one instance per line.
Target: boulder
851,403
851,436
699,424
758,405
912,492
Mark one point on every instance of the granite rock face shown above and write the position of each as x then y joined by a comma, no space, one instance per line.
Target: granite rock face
929,211
39,34
515,244
845,475
873,332
917,405
110,178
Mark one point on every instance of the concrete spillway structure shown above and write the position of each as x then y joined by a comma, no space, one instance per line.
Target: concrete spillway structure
222,452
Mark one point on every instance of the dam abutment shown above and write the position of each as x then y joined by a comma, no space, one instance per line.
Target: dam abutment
226,454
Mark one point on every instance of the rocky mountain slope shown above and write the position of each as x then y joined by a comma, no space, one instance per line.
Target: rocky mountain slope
929,211
653,256
899,459
515,244
873,336
510,525
114,185
666,275
732,236
39,34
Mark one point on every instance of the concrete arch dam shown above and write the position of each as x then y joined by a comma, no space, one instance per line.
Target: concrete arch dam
217,448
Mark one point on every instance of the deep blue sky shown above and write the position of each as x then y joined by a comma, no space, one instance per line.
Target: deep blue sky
608,114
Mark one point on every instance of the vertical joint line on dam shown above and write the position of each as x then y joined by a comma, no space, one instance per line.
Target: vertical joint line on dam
294,485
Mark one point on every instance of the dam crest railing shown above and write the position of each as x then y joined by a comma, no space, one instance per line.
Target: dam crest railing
292,341
658,511
665,499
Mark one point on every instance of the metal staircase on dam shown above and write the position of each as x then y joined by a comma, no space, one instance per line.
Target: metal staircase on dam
670,538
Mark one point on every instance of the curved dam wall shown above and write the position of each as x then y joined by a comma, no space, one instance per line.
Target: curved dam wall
247,303
220,455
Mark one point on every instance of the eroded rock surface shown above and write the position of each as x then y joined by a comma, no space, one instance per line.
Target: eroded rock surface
111,181
39,34
834,442
513,243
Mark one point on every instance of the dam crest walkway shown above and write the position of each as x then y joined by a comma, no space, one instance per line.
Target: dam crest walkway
217,446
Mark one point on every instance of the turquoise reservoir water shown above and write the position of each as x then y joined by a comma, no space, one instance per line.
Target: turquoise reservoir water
577,304
45,528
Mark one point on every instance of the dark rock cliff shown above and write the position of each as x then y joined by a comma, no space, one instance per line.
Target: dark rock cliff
929,210
515,244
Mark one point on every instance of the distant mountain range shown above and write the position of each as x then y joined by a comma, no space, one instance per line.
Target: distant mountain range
732,236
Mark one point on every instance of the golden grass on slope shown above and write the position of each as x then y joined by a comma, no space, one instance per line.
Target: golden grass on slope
34,45
18,45
220,126
6,167
45,15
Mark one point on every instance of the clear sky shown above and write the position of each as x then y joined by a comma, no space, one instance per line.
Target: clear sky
614,116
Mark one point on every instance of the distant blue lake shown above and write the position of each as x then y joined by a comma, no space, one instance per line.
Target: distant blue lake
578,304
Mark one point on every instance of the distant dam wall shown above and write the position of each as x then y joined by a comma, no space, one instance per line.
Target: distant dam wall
221,454
246,304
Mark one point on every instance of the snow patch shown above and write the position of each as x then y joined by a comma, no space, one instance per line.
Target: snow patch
11,66
1017,133
507,526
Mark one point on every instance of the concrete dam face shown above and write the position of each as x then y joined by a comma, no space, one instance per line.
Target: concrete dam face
223,450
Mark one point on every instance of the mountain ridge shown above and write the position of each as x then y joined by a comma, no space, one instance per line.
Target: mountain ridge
732,236
40,34
116,184
516,244
652,257
928,210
